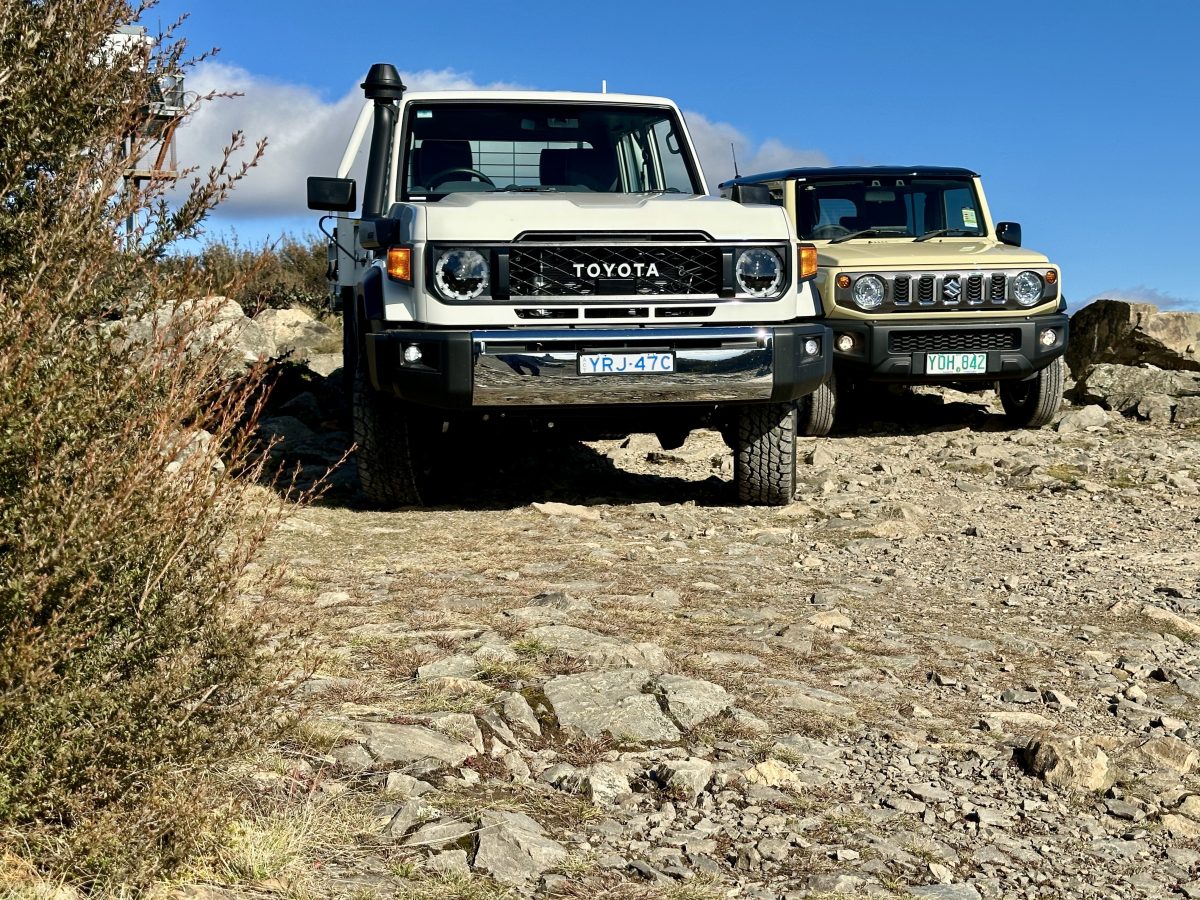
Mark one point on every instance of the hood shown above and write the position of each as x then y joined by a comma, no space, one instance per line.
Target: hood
501,217
953,253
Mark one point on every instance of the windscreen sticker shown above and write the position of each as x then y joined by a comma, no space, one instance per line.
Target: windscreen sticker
424,113
969,219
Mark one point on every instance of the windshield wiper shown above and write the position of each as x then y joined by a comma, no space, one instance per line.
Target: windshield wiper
879,232
944,232
525,189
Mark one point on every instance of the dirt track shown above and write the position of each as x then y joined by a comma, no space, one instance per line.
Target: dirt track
891,648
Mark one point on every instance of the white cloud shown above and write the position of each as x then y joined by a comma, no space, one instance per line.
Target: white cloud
1143,294
307,134
713,142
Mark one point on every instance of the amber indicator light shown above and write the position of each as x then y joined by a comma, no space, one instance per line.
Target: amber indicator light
1051,277
808,261
399,263
843,281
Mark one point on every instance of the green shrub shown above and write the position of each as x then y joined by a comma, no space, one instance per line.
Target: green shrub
289,272
129,667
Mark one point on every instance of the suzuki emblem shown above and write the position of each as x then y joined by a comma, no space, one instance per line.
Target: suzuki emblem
951,289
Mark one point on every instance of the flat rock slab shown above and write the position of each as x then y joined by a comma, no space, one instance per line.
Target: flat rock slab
443,834
599,651
945,892
457,666
514,849
412,743
795,695
616,703
691,701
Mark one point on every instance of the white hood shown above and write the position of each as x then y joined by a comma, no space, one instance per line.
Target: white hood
470,216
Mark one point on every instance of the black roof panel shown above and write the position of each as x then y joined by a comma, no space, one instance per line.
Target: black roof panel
818,173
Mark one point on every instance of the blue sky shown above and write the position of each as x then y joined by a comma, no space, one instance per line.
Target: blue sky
1082,118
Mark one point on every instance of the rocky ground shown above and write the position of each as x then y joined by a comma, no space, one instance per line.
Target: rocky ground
964,663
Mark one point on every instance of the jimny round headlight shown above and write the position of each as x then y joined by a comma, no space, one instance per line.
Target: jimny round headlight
1027,288
759,272
868,292
461,274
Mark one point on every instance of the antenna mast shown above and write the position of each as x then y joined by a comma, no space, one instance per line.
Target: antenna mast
733,153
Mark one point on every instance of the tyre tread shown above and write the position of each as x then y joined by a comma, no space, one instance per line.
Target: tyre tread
765,456
1039,407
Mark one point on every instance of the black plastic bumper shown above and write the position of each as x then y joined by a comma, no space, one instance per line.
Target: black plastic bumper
890,351
713,365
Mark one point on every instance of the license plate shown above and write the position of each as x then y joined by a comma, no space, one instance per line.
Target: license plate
955,363
626,363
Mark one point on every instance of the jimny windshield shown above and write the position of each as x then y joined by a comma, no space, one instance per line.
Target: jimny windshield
906,207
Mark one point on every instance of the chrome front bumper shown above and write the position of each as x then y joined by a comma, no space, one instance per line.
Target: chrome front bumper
540,367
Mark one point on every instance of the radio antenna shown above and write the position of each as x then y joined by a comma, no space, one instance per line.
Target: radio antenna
733,153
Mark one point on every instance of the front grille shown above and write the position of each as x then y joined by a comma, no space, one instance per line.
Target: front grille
584,271
971,341
927,292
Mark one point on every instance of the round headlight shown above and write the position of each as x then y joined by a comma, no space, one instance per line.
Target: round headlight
1027,288
461,274
759,272
868,292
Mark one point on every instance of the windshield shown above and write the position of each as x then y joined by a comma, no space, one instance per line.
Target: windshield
872,206
499,146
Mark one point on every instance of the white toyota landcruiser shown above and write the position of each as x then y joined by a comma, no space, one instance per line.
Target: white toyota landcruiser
555,257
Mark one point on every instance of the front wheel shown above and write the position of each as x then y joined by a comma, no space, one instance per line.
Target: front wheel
397,446
764,467
1032,403
815,413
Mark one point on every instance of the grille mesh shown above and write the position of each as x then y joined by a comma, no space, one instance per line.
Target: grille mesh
997,292
975,289
900,291
564,272
954,341
925,289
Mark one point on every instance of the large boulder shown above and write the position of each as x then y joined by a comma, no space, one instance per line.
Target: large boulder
201,323
295,331
1072,763
1125,388
1113,331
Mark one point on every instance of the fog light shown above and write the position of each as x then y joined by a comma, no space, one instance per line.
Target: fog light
845,343
812,347
412,354
1048,338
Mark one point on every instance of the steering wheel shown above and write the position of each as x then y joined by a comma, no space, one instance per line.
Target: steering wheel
435,180
830,230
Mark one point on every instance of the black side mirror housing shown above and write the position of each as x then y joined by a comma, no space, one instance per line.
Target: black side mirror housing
375,234
332,194
751,194
1009,233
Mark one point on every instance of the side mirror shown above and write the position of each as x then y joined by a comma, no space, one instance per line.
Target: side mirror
333,194
1009,233
751,194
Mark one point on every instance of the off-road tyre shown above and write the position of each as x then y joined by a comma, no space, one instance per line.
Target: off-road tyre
764,456
1032,403
815,413
397,447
